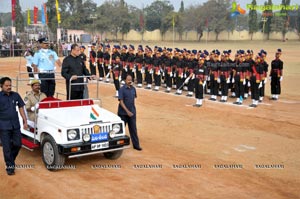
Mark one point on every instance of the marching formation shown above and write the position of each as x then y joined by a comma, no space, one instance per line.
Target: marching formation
197,71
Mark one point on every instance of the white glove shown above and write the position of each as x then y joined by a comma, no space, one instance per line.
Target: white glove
143,71
120,78
133,70
151,71
208,78
174,74
232,81
228,81
193,77
36,76
163,74
266,79
35,107
249,84
95,63
171,74
158,72
125,68
281,78
187,80
204,83
244,82
218,80
184,75
109,67
260,85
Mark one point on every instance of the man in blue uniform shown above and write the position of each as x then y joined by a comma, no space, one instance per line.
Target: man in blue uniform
44,64
10,133
127,110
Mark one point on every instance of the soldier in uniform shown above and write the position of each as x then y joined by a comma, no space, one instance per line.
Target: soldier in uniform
44,63
157,62
100,62
179,73
191,64
214,76
239,77
249,59
123,58
93,57
117,73
130,61
168,63
264,79
32,99
148,68
276,75
139,63
200,73
256,72
224,76
82,54
107,65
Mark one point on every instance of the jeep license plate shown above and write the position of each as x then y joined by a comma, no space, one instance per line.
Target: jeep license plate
101,145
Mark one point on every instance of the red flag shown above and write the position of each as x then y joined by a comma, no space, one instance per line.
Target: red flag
35,14
13,10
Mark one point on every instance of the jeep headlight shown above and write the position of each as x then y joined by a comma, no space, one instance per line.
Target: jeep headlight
112,134
116,128
86,137
72,134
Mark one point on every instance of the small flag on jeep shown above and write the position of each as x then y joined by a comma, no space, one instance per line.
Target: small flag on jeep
94,114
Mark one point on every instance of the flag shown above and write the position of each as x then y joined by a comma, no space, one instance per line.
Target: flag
13,10
35,14
57,12
45,11
28,17
43,15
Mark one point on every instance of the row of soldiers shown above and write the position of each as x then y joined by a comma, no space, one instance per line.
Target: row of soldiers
200,72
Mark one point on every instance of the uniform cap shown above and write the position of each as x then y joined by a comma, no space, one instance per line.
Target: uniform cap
35,81
82,47
43,40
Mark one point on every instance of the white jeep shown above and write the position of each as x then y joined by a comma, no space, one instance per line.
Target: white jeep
74,128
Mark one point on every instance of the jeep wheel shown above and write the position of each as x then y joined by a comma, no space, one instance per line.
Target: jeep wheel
113,155
51,157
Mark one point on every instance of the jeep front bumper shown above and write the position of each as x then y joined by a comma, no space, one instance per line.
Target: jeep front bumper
89,148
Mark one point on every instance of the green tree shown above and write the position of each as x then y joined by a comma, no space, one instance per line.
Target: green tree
19,22
179,20
267,19
252,22
159,16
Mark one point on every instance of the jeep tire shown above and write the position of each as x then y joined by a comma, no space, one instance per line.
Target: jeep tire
51,157
113,155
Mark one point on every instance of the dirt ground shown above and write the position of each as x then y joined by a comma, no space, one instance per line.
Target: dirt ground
216,151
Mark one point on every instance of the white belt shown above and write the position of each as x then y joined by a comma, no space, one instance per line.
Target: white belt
46,71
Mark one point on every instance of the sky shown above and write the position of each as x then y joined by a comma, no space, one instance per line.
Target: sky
29,4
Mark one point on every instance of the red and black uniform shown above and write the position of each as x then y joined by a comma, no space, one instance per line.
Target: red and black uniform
256,72
224,76
168,63
214,75
130,61
201,73
148,69
179,73
265,71
116,71
123,57
93,57
100,62
139,62
157,62
275,73
106,59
